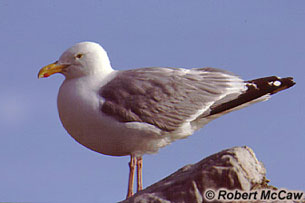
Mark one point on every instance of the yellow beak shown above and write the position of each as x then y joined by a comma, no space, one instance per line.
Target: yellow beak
51,69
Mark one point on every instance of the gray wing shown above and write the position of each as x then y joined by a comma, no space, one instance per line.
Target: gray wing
166,97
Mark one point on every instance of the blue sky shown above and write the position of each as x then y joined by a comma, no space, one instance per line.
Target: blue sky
40,162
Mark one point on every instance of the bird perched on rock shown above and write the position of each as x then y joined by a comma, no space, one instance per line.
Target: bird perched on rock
139,111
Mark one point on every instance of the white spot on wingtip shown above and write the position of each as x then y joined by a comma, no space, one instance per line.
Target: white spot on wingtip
275,83
253,84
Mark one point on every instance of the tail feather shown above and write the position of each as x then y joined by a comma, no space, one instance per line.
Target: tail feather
256,89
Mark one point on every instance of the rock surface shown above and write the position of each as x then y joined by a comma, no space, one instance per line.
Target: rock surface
235,168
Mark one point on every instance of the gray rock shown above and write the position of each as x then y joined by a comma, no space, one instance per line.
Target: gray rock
235,168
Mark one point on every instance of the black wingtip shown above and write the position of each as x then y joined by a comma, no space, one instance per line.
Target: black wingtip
285,84
272,84
255,89
288,82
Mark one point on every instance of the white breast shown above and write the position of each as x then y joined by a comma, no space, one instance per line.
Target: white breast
79,110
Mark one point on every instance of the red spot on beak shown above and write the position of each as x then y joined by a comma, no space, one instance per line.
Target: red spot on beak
46,75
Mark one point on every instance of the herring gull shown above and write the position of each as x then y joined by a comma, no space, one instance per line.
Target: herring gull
138,111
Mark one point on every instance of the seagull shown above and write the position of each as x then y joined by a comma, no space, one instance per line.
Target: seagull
138,111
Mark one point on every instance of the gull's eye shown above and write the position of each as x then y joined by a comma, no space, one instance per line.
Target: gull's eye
78,56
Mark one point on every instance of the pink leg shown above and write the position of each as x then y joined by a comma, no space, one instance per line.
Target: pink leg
132,164
139,173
